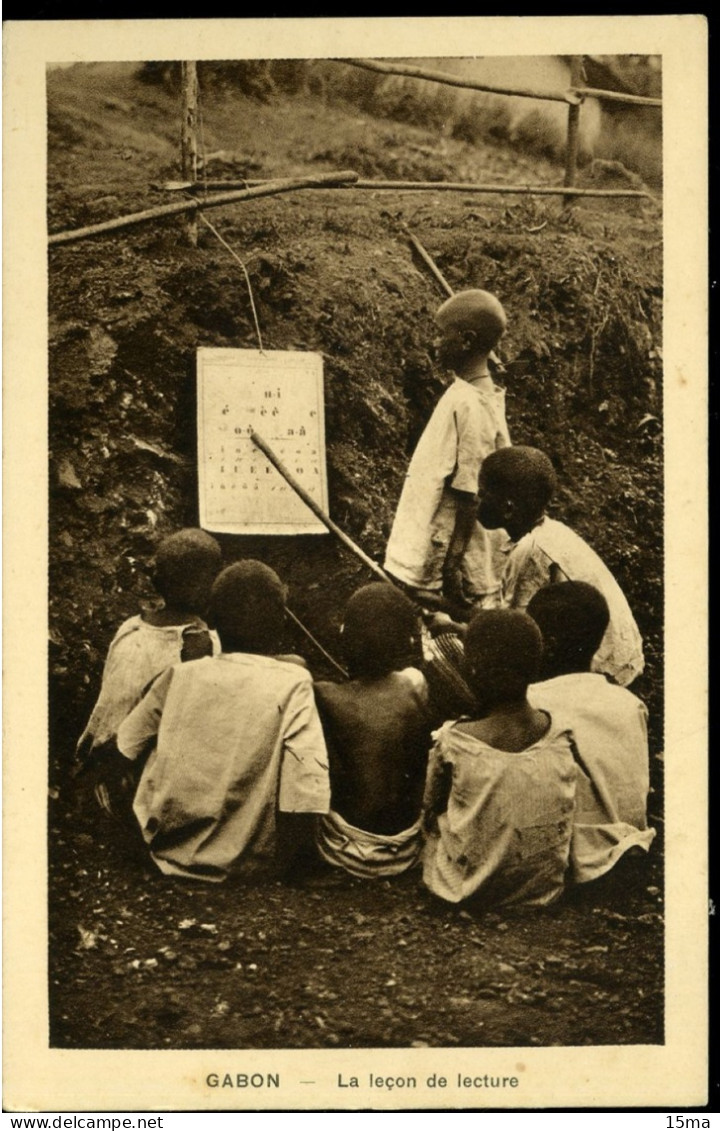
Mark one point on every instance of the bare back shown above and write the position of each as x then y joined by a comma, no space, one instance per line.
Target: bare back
377,732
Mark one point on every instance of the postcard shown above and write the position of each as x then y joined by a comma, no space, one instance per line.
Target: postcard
263,914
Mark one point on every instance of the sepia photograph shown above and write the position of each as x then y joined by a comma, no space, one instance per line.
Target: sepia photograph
368,495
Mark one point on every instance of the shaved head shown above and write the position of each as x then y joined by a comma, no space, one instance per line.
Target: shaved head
477,312
381,630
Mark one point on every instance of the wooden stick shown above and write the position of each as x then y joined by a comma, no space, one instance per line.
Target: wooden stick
617,96
270,188
421,186
306,632
573,94
317,509
460,186
429,261
577,75
188,138
449,79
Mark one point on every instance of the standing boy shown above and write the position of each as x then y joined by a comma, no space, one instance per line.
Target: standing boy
239,741
436,542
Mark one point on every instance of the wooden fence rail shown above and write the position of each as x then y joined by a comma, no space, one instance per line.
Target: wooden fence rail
416,186
574,93
574,96
447,78
270,188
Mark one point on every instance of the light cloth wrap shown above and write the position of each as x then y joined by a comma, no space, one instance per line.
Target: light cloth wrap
366,854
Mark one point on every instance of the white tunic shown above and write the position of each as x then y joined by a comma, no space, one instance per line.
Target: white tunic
468,423
552,552
238,738
609,727
138,653
505,836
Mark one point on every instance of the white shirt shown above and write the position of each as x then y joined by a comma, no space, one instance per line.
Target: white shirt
505,835
137,654
468,423
238,736
609,727
552,552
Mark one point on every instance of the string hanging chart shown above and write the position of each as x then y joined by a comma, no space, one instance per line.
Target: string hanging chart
280,395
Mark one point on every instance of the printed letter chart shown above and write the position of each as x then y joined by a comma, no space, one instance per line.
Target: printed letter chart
279,395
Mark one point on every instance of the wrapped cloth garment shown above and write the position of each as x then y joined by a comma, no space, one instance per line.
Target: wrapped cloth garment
366,854
238,740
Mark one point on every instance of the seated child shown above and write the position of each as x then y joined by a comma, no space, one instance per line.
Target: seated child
186,564
608,724
516,484
238,739
377,731
501,785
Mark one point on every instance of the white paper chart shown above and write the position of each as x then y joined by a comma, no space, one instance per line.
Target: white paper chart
279,395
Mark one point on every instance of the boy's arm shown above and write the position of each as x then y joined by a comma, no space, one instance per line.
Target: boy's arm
139,730
304,774
465,519
471,448
296,852
304,788
527,569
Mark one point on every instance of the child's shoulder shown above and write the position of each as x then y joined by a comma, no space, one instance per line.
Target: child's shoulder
406,682
483,737
584,692
127,628
462,391
291,658
279,668
558,540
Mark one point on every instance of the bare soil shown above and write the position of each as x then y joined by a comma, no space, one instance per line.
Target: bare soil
139,961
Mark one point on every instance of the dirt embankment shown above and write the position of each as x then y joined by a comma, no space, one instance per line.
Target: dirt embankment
332,272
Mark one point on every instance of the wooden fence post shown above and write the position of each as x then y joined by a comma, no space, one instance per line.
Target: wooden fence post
188,138
573,128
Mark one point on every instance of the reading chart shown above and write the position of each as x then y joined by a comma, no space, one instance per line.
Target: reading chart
279,395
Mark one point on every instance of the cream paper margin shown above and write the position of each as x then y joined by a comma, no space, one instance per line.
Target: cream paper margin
43,1079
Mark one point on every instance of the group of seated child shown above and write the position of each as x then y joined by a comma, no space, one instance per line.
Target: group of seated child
240,763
